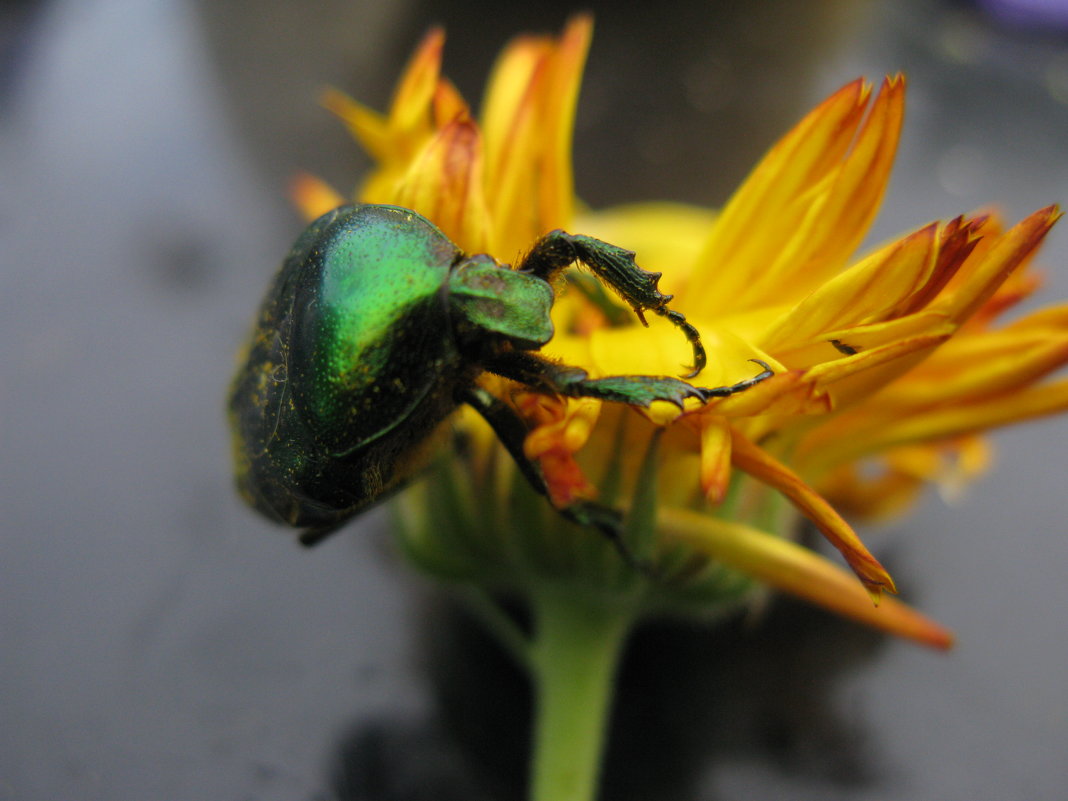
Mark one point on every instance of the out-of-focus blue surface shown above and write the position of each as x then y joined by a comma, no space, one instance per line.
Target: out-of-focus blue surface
162,642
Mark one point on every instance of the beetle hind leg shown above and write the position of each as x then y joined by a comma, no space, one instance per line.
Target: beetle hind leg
511,431
616,267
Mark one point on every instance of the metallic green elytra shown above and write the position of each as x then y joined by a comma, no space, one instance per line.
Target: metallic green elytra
377,328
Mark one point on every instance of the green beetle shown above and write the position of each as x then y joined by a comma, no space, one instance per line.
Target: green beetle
376,329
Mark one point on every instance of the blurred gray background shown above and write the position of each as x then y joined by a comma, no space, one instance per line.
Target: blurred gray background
160,641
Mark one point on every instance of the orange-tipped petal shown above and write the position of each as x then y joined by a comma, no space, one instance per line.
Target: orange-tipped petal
789,567
957,240
1011,250
414,95
448,104
757,462
312,196
806,207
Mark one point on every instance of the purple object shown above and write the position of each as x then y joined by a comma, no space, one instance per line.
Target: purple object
1029,13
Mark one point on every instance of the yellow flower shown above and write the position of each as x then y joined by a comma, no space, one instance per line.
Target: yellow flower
887,366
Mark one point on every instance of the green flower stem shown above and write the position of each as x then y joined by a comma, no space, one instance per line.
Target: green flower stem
575,654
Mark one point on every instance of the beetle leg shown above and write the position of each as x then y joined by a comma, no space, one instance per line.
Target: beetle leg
636,390
512,431
615,266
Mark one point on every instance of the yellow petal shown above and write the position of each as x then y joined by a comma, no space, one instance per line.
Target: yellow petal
528,118
870,498
957,241
557,190
411,103
313,196
444,184
837,344
862,294
510,119
367,127
806,206
1051,318
448,104
989,365
864,373
798,571
856,435
973,417
666,236
788,393
757,462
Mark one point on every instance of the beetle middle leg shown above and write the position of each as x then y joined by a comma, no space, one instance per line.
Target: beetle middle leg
615,266
636,390
512,432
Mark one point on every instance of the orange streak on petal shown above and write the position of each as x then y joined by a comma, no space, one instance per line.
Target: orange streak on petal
715,456
957,239
757,462
448,104
444,184
1010,251
798,571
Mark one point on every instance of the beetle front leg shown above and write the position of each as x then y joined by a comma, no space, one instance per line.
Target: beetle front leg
615,266
512,432
635,390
